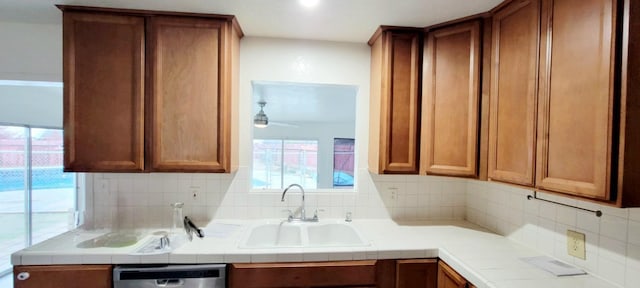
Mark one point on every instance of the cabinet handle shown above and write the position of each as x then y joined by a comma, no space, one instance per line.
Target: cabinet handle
23,276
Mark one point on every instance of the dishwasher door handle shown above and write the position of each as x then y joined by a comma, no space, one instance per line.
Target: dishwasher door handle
169,283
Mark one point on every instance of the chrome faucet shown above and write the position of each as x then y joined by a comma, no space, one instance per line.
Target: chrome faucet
191,229
303,216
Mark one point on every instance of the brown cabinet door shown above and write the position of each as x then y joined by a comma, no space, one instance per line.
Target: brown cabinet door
188,97
576,97
417,273
514,91
103,92
63,276
450,100
308,274
395,102
449,278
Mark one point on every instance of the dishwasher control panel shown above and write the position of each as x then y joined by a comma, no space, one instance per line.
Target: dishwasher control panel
184,276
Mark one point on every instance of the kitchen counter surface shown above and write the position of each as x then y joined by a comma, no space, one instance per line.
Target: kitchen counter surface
484,258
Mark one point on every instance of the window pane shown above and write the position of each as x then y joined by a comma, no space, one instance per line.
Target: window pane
13,169
301,163
343,162
53,192
267,164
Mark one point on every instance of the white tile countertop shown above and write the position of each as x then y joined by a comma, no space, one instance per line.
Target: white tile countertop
483,258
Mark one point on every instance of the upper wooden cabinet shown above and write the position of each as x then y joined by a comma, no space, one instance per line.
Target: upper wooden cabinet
103,92
514,91
167,103
450,108
586,116
588,111
190,93
394,123
576,110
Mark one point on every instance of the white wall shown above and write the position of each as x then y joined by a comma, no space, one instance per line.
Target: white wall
30,52
324,133
323,62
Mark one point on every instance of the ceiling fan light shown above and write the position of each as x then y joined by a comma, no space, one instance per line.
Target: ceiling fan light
260,120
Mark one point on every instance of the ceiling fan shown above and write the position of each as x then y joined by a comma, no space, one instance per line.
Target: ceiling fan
260,120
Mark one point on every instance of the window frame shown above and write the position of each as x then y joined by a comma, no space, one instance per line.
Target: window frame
282,154
353,145
28,189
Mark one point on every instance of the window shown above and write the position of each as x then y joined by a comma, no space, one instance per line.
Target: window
343,161
37,199
279,163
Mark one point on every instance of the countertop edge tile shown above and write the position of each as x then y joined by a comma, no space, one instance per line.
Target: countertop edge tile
459,243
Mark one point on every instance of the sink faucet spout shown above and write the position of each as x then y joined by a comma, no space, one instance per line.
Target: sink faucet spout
303,215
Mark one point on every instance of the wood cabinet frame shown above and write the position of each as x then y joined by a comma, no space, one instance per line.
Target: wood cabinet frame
448,278
219,131
596,174
516,153
430,120
306,274
80,154
394,118
64,276
145,151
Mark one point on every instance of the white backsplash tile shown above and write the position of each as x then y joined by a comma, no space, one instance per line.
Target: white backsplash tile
613,241
614,226
142,200
612,271
612,249
634,214
634,232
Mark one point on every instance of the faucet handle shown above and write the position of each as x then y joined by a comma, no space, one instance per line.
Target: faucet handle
315,214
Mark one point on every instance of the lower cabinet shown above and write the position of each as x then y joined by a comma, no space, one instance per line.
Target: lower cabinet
406,273
449,278
417,273
307,274
63,276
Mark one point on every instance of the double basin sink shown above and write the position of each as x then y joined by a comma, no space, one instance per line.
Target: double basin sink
303,234
270,234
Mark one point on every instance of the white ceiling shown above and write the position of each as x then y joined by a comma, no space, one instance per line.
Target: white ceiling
336,20
300,102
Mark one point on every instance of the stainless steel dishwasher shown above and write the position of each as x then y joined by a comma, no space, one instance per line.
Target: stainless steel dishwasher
184,276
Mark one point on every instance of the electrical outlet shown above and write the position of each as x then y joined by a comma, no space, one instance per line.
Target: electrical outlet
575,244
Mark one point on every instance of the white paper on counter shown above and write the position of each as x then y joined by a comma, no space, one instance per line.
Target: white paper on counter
556,267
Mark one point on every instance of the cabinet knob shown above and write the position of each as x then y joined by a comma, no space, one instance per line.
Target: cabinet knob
23,276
